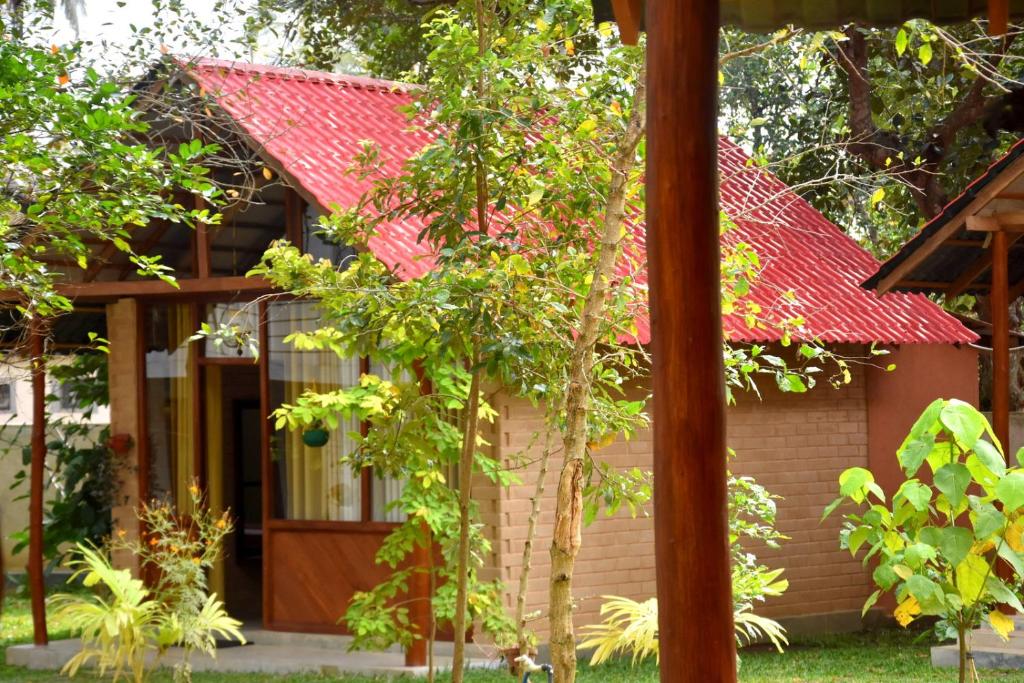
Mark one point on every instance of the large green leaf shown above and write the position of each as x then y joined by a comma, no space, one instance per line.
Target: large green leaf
913,453
953,479
917,494
1001,592
955,544
1010,491
918,554
991,457
964,421
988,521
853,480
928,594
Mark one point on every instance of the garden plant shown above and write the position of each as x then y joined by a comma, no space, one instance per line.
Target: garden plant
949,543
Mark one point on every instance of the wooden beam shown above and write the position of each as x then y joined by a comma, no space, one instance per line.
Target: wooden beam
627,16
921,284
37,586
294,208
1012,196
213,285
975,269
691,527
998,17
1004,220
953,226
1000,340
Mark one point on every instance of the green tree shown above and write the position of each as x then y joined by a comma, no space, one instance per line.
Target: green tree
77,171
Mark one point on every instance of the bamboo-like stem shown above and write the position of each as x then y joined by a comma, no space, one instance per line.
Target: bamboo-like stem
567,537
531,534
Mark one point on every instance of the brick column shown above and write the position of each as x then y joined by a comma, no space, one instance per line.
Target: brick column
125,371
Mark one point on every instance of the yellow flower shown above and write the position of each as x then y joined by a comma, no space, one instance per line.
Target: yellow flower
174,548
221,523
195,561
121,533
906,611
194,490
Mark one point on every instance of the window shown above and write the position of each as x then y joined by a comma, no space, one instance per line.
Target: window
7,397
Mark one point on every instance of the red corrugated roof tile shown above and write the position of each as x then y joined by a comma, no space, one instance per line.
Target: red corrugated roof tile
312,125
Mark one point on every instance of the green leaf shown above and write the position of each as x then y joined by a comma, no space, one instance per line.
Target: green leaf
1010,491
852,481
870,602
857,538
988,521
924,53
914,451
955,544
918,554
964,421
917,494
953,480
990,457
884,577
901,42
1002,593
928,593
1007,553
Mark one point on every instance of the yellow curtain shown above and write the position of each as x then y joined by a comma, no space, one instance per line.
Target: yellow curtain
215,460
179,328
317,485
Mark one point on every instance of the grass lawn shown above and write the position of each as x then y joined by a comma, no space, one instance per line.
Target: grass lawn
858,658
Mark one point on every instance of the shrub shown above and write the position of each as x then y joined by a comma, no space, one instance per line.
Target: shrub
937,545
126,621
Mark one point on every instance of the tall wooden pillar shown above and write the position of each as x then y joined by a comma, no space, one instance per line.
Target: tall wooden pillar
37,586
690,500
1000,340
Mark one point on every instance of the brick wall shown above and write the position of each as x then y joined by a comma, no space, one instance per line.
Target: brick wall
795,445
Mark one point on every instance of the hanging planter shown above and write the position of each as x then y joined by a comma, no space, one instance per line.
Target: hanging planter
316,436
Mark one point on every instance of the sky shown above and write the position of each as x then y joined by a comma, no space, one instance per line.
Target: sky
107,25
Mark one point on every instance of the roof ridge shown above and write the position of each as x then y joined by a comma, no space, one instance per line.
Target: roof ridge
295,73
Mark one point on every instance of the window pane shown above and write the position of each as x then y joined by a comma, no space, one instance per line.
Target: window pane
311,482
387,489
244,318
170,427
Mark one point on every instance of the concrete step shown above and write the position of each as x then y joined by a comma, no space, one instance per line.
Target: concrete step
984,657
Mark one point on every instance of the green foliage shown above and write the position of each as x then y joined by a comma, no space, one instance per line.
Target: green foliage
77,167
936,545
82,474
631,627
878,152
128,620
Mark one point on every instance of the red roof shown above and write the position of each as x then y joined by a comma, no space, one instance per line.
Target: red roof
312,124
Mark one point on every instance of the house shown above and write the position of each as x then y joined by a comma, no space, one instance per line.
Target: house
308,528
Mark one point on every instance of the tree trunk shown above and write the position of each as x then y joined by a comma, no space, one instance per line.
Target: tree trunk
531,534
465,499
565,543
963,653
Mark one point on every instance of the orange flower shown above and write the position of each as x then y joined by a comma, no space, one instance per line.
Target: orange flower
221,523
153,541
121,533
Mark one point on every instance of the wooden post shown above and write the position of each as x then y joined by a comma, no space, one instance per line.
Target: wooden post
998,17
37,586
690,500
1000,340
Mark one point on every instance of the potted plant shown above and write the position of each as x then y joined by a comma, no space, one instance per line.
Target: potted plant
316,435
